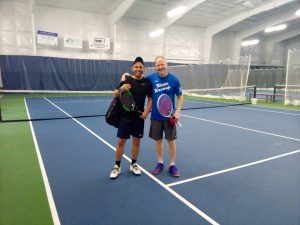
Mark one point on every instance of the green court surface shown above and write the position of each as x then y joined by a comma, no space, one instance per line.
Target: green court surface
12,104
278,105
260,102
23,199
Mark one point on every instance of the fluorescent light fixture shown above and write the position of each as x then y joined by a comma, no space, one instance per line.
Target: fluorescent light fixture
156,32
176,11
275,28
250,42
248,4
298,12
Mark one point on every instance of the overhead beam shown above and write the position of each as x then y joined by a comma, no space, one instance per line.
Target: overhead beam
288,16
216,28
272,41
238,18
120,11
283,36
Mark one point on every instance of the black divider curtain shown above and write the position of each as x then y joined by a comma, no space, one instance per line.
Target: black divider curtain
49,73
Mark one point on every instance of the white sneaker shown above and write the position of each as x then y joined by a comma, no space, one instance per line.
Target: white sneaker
135,169
115,172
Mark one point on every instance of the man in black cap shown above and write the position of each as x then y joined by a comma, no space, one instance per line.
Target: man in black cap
132,123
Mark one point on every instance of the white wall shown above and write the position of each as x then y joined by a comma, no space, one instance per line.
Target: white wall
279,54
222,47
294,43
184,44
179,43
67,22
132,40
129,37
16,31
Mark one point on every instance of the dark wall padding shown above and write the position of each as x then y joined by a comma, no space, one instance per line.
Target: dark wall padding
49,73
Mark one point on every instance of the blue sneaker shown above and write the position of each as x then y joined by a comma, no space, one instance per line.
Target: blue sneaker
159,167
174,171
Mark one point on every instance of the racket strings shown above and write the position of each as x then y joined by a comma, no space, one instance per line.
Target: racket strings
165,106
127,100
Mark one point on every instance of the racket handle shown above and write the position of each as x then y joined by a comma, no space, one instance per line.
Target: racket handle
172,119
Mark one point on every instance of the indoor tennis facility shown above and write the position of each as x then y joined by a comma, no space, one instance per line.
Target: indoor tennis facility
223,76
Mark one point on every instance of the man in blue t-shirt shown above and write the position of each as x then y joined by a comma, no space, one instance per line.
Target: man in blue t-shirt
164,83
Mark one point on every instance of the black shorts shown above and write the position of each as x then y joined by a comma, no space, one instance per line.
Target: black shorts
158,127
133,126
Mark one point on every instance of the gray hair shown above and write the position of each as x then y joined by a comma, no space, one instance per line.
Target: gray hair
159,57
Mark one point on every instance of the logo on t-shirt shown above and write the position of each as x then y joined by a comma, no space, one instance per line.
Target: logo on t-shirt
162,87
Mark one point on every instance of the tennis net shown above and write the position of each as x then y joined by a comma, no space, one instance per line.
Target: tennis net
25,105
218,97
21,105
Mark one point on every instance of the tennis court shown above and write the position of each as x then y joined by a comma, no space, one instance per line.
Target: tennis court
238,166
236,63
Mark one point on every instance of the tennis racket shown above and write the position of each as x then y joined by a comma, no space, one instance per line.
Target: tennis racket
165,108
127,101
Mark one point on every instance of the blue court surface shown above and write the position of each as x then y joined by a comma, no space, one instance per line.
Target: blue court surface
239,166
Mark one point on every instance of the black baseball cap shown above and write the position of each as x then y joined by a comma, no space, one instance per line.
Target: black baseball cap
138,59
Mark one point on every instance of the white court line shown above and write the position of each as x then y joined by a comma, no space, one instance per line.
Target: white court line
179,197
255,109
239,127
233,168
270,111
66,102
52,206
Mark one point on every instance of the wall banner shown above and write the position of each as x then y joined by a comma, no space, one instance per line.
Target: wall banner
47,38
99,43
72,42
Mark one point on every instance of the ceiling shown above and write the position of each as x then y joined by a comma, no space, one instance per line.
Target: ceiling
217,15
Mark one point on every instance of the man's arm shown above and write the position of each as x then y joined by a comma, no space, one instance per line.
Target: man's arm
179,106
124,76
148,108
122,86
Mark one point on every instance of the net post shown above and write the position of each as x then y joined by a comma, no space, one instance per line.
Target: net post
254,92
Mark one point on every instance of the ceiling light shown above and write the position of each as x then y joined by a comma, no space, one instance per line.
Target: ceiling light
156,32
298,12
176,11
275,28
248,4
250,42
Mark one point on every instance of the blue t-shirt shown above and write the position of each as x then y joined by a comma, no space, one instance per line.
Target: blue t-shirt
169,85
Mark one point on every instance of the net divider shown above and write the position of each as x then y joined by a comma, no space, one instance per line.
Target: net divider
290,85
220,88
55,91
286,78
